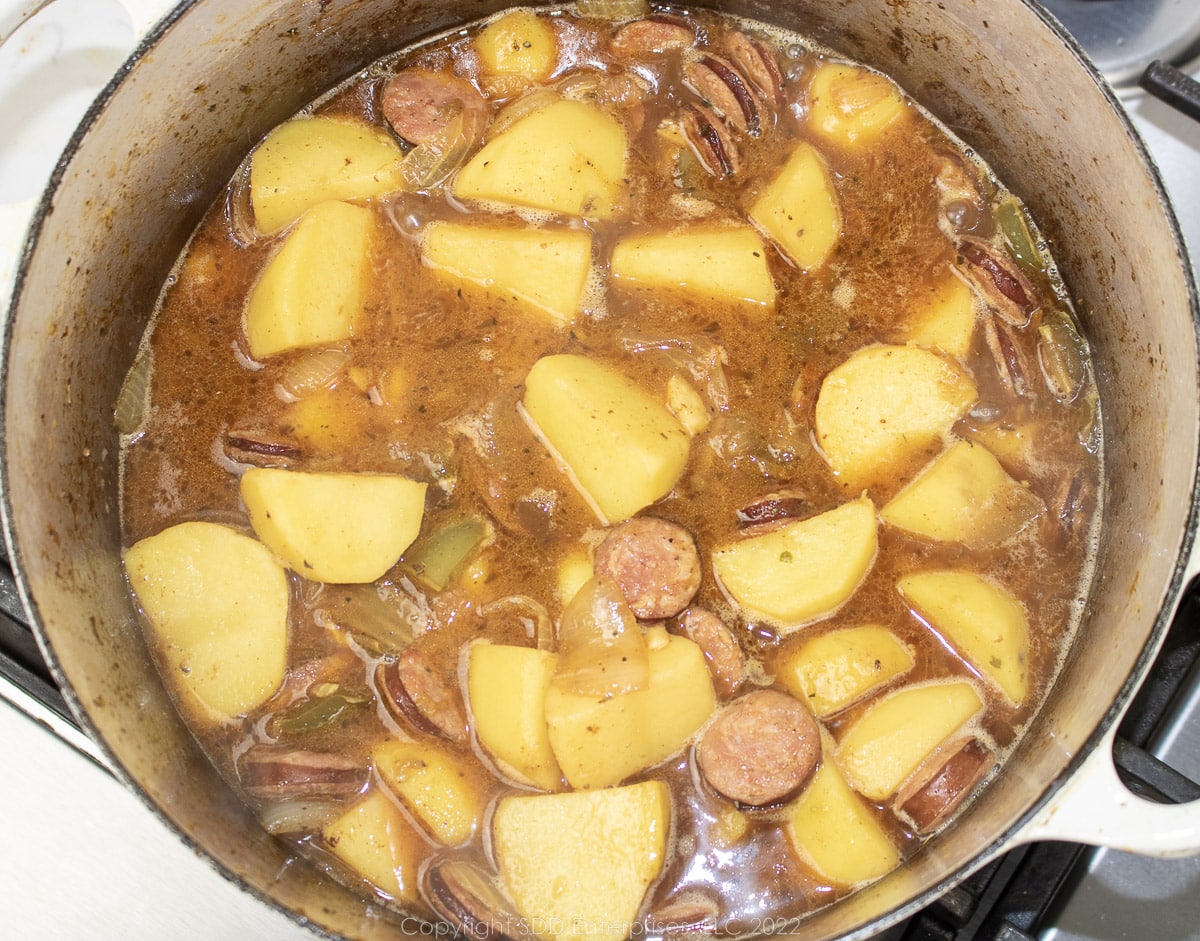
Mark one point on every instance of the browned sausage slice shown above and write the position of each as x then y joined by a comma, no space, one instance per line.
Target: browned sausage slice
935,791
419,104
652,37
726,662
655,564
413,692
761,749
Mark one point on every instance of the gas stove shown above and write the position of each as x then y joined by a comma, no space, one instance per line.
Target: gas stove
82,857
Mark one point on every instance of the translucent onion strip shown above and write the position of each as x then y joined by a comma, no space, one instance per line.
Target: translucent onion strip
297,816
430,163
613,9
313,371
134,398
601,649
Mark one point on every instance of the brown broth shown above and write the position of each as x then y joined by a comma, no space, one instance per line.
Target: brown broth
439,374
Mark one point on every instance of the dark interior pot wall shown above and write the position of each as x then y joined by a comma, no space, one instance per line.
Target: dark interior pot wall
223,72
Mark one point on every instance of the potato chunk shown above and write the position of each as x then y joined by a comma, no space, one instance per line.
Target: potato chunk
519,43
621,446
803,571
600,742
799,210
435,786
506,692
341,528
945,319
545,268
375,840
851,105
889,741
887,404
217,607
722,263
982,621
964,496
834,832
567,157
835,670
311,292
578,865
307,161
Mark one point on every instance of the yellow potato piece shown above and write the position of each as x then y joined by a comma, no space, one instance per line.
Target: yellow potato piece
578,865
435,785
853,106
340,528
803,571
545,268
601,742
375,840
886,743
621,446
721,263
575,570
506,692
982,621
887,404
217,607
837,669
566,158
311,291
964,496
799,210
307,161
519,43
833,831
945,319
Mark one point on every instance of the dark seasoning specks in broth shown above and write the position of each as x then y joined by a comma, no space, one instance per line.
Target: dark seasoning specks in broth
428,383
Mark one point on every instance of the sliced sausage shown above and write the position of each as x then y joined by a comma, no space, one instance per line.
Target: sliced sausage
935,791
469,899
761,748
419,104
652,37
726,662
271,773
655,564
413,692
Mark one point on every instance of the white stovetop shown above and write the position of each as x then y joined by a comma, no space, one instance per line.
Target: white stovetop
80,856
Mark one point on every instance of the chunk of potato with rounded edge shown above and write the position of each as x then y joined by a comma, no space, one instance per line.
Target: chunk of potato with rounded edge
375,840
311,291
506,693
851,105
799,210
307,161
837,669
518,43
803,571
621,446
886,404
334,527
884,745
217,606
546,269
567,157
436,787
945,319
982,621
578,864
601,742
834,832
575,569
721,263
964,496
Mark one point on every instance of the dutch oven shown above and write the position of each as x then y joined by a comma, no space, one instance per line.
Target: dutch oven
211,77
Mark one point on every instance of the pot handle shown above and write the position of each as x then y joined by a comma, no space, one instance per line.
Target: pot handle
15,217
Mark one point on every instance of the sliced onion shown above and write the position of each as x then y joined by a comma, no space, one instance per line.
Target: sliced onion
1062,354
530,612
613,9
134,397
522,107
239,210
379,624
601,649
312,372
428,164
297,816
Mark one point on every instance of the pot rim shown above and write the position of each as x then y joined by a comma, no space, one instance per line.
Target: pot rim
1181,573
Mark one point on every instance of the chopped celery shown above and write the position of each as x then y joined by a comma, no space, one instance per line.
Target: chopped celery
437,559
